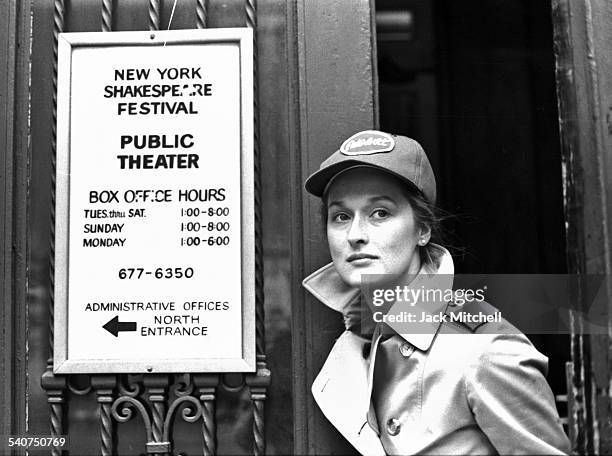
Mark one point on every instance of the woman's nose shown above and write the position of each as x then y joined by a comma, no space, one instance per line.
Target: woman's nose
358,231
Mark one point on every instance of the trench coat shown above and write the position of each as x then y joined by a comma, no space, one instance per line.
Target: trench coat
457,389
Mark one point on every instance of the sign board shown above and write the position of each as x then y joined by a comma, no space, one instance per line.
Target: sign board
154,258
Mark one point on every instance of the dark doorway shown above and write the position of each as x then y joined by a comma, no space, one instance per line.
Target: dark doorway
474,82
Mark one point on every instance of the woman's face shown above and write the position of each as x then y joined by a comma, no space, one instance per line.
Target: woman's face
371,227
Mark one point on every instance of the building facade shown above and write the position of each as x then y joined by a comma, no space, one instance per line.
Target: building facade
512,99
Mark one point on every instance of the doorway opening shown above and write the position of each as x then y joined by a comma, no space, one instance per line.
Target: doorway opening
474,83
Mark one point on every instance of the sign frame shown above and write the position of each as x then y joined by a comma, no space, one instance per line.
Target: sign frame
67,43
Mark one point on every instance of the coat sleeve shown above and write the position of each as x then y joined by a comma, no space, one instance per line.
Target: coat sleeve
511,400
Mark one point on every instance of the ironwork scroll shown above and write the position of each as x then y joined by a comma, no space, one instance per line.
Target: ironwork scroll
157,420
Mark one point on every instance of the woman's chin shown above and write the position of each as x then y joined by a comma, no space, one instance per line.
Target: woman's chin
355,278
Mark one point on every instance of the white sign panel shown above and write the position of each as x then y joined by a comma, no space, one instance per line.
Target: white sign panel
154,219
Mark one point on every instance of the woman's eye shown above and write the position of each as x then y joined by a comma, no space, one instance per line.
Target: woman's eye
380,214
340,217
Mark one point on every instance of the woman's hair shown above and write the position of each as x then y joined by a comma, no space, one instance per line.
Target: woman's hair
426,215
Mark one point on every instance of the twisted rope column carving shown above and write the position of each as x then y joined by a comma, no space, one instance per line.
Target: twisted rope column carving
209,434
259,446
58,27
106,428
201,14
251,13
54,386
258,384
104,386
260,381
206,385
158,416
156,386
154,14
56,401
107,15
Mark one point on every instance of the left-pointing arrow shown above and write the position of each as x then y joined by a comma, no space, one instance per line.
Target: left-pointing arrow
113,326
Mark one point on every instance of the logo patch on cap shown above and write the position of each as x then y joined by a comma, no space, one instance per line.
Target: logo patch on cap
367,142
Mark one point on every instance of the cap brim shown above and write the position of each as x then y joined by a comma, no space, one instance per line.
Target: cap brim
317,181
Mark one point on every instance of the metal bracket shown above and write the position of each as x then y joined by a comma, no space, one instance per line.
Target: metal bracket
158,447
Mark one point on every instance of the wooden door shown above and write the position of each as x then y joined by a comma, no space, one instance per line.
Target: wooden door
317,84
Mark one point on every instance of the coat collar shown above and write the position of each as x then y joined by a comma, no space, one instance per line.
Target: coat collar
326,285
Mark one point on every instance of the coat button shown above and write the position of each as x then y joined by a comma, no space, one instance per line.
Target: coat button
393,426
406,349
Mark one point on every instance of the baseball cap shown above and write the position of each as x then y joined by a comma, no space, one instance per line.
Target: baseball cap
398,155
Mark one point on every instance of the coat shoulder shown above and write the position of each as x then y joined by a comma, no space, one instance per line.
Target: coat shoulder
479,317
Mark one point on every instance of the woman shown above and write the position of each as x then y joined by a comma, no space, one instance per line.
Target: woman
454,388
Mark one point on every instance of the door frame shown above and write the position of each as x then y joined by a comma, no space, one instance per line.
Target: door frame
329,47
14,161
582,37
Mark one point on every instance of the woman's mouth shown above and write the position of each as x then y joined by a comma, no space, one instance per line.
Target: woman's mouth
360,259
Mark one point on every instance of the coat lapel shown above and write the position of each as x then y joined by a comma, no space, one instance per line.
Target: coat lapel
341,391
